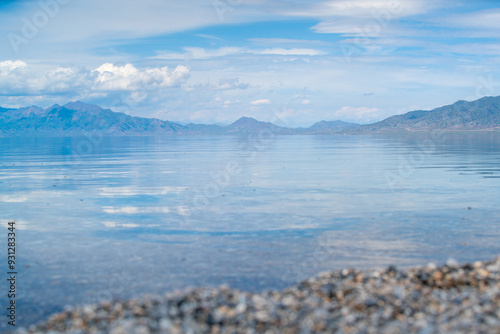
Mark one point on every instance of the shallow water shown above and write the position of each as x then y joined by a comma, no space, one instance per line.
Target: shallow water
103,218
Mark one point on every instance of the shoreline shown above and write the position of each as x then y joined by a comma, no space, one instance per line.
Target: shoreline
458,298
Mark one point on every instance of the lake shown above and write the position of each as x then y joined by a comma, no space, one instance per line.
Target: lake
106,218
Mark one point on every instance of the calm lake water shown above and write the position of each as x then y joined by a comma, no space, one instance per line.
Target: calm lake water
106,218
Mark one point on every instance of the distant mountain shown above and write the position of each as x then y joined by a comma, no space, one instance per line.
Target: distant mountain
482,114
78,118
328,127
251,125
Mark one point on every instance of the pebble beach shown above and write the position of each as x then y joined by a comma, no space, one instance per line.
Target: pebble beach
452,298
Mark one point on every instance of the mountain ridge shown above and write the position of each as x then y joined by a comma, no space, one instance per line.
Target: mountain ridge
481,114
75,118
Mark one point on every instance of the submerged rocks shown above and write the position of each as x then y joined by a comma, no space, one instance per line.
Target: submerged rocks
449,299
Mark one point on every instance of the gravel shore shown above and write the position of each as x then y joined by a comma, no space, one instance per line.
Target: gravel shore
448,299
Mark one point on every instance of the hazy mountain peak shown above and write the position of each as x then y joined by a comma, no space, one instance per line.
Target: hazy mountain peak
80,106
246,120
55,106
249,124
32,111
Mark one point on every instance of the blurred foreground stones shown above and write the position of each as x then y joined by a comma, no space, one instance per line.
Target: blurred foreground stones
448,299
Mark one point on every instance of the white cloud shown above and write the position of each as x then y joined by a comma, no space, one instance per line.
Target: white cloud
12,77
62,80
197,53
294,51
260,102
9,66
200,53
111,77
365,8
286,41
489,19
112,18
474,25
366,18
18,79
224,84
209,37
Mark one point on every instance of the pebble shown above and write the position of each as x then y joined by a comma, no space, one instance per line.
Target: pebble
452,298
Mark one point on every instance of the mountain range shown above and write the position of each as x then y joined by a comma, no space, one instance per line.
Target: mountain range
78,118
482,114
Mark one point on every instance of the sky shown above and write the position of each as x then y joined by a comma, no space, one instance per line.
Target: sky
214,61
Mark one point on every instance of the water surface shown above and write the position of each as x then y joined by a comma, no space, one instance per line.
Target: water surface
105,218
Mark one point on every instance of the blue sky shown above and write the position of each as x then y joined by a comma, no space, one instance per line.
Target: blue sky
213,61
